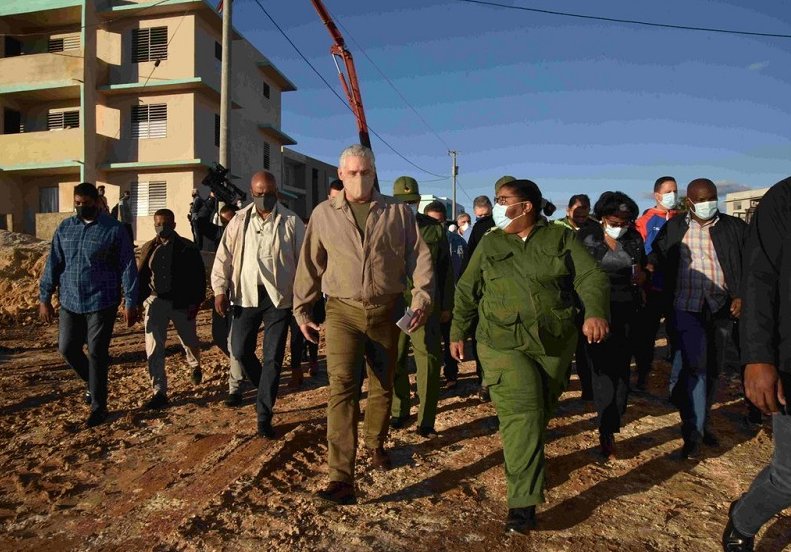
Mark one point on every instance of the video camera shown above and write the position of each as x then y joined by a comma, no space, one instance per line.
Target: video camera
225,191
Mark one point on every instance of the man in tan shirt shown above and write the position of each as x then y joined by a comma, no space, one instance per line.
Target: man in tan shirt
359,249
254,268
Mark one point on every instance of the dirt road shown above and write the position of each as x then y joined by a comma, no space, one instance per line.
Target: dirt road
194,476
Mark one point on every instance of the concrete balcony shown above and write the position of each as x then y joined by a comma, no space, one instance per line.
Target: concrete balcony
42,77
60,151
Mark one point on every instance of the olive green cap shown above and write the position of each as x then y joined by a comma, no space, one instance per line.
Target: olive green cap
405,188
501,181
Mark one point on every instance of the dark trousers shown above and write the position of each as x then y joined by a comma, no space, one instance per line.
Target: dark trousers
451,365
582,362
656,307
770,492
128,228
610,361
297,344
94,329
703,338
244,332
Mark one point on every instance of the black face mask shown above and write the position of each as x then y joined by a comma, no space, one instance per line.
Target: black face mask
265,203
164,231
85,212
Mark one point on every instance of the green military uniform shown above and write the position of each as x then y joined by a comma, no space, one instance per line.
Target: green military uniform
521,293
427,340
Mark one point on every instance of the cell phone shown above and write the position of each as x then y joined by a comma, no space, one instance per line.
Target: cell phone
406,320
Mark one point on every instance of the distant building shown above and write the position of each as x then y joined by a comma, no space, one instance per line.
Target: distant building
425,199
125,93
743,204
306,181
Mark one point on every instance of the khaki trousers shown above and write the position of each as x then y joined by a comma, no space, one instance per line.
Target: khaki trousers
158,314
352,333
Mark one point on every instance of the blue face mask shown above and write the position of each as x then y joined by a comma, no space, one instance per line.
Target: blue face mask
500,218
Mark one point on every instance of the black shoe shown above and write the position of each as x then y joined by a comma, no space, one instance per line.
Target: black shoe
233,399
483,394
159,400
425,431
710,440
88,398
398,422
690,450
451,384
607,444
97,417
197,376
338,492
266,431
732,540
521,520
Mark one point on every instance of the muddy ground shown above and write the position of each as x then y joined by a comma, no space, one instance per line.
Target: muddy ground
195,477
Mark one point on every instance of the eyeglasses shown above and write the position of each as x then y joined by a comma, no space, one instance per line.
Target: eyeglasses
501,200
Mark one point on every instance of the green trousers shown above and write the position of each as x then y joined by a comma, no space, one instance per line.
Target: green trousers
353,333
525,389
427,346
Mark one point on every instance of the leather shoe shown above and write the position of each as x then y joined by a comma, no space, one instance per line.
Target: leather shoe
426,431
197,376
398,422
380,460
710,440
88,398
690,450
159,400
97,417
483,394
521,520
266,430
338,492
732,540
233,399
607,443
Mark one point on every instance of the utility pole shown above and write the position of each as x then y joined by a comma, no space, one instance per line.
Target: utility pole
454,173
225,86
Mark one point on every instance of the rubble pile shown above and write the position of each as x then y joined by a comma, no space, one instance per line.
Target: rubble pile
22,260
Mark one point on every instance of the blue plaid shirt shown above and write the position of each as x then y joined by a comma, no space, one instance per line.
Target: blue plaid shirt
88,263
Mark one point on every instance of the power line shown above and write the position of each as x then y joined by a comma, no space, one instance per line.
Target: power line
393,86
306,60
629,21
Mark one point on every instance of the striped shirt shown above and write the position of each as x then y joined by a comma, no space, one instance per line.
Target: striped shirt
701,279
87,263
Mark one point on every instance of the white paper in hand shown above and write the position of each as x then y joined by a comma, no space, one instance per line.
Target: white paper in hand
406,320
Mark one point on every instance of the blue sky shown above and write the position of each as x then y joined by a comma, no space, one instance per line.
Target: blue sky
578,106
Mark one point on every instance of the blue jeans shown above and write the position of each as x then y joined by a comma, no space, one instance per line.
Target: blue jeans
94,329
702,339
770,492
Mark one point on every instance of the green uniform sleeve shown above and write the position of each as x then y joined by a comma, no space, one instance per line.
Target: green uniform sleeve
590,282
468,295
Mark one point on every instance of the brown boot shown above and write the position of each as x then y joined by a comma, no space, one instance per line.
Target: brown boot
380,460
338,492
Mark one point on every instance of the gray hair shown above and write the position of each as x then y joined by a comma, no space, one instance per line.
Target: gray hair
357,150
481,201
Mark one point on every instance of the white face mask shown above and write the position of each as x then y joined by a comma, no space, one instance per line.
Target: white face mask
615,232
705,209
669,200
501,219
464,226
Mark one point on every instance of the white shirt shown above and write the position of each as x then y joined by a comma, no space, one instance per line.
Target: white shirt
258,262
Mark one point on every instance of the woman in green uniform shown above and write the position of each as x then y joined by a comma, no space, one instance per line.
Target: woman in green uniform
519,286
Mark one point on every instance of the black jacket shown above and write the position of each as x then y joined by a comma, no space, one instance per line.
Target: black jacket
621,288
728,236
766,292
481,226
189,273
